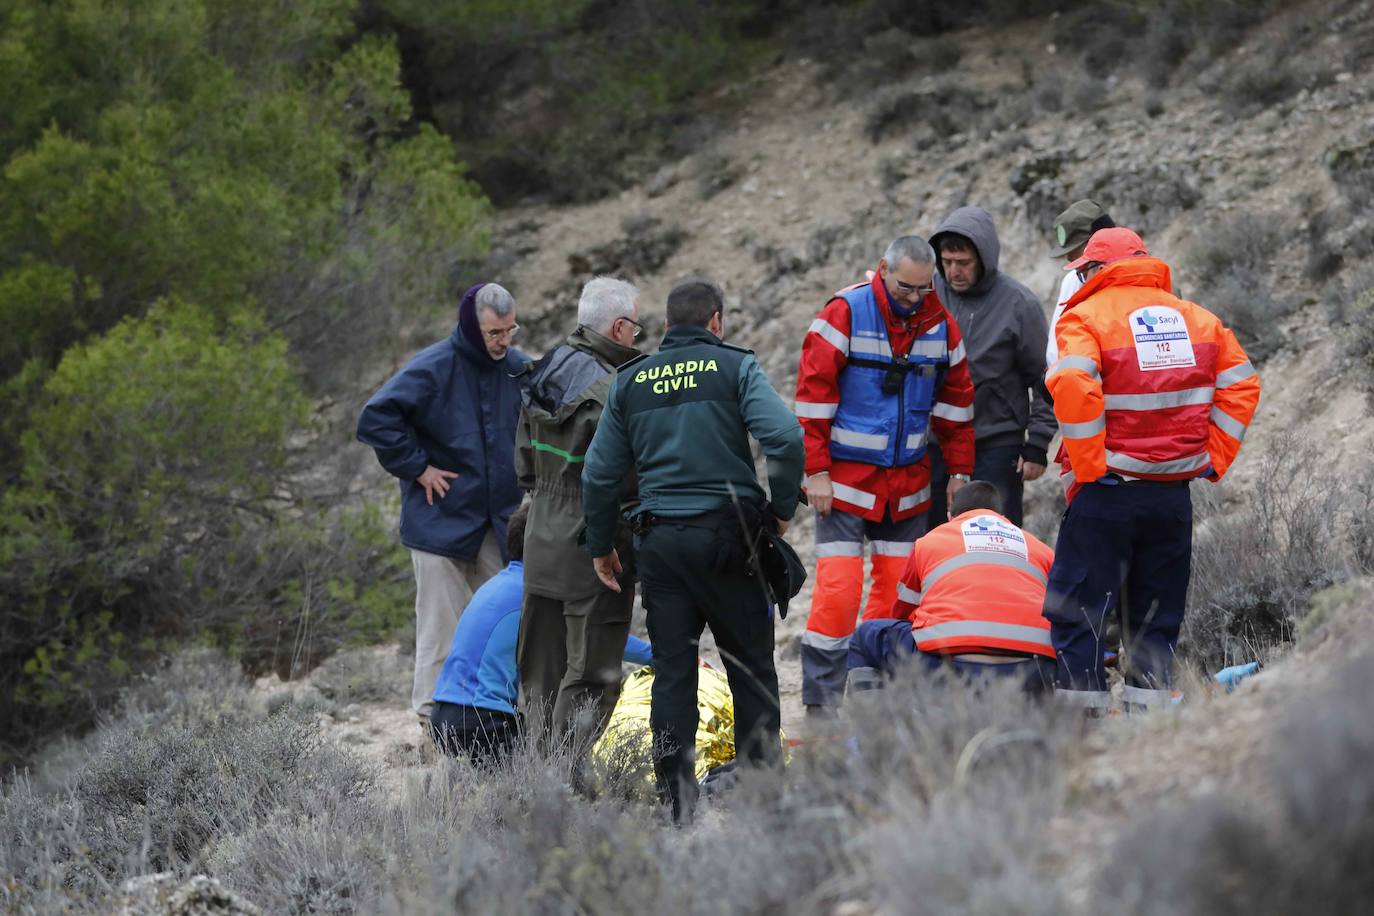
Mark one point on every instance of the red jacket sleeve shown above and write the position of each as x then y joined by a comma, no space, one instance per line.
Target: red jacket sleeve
824,354
951,416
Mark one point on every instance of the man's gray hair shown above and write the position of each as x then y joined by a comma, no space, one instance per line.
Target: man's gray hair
912,247
604,299
496,299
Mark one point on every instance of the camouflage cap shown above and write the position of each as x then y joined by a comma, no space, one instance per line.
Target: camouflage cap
1076,225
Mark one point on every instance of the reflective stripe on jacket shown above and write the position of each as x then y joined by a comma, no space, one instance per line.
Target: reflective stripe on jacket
865,489
977,584
870,425
1147,385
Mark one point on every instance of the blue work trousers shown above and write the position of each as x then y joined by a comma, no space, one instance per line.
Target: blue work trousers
1127,549
887,645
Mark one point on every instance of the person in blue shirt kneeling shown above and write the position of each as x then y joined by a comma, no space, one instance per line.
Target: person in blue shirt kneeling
474,700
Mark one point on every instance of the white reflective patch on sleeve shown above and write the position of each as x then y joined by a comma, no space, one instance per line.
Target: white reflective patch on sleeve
1085,430
1228,424
831,335
1238,373
815,410
950,412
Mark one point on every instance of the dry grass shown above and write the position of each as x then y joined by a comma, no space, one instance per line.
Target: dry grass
293,823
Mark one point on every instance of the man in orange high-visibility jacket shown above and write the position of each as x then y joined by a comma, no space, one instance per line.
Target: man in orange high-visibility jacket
969,600
882,369
1151,391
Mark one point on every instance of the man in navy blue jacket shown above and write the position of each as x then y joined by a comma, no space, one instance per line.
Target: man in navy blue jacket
445,426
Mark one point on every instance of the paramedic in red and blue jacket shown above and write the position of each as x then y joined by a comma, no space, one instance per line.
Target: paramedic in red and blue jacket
883,368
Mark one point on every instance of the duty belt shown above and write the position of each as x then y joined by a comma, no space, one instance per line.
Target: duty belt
646,520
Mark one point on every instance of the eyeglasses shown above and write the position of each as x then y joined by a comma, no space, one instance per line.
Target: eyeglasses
1086,269
908,288
496,334
639,328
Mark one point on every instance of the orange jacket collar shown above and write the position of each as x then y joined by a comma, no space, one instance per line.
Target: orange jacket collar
1144,271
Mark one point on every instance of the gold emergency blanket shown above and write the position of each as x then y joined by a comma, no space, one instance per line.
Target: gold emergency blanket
628,730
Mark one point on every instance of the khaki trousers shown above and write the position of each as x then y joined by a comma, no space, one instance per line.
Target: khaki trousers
443,588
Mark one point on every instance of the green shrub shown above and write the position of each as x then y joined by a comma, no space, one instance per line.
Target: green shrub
152,506
569,100
205,207
255,162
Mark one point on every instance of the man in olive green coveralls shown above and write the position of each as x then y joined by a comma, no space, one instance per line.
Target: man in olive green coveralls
682,419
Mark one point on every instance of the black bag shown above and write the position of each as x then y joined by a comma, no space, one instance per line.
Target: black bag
783,571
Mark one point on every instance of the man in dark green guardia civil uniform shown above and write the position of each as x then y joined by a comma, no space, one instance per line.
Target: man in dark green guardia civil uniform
681,418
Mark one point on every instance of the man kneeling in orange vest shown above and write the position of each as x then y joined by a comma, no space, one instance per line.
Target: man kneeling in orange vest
969,600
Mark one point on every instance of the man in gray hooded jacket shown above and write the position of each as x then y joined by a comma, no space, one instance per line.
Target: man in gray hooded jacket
1004,331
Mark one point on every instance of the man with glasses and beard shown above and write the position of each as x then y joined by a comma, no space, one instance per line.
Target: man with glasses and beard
882,369
445,427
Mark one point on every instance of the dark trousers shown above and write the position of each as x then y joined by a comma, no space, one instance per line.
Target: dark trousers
682,595
887,645
1137,537
484,735
996,465
569,654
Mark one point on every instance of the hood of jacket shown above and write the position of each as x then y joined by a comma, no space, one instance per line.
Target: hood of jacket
1147,272
974,224
560,381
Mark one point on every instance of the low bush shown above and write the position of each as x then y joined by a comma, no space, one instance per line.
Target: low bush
364,675
569,100
152,510
925,791
1229,265
1352,168
1358,332
1230,855
929,115
162,784
645,246
1257,566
